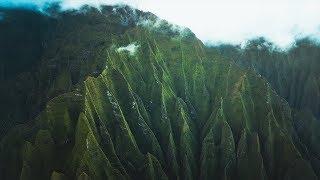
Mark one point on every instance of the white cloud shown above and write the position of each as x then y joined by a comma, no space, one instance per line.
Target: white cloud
231,21
235,21
130,48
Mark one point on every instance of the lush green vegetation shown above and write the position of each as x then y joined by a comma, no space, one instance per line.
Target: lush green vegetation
39,52
294,73
171,108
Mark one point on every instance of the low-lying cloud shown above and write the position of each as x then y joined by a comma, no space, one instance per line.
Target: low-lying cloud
227,21
130,48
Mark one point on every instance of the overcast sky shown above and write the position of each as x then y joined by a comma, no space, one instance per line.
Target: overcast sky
230,21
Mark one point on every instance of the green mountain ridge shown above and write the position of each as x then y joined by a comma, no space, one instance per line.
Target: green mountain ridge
294,74
169,109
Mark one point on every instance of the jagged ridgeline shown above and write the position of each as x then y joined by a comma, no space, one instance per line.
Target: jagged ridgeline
293,73
164,107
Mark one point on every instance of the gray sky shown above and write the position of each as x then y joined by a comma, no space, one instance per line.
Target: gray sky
229,21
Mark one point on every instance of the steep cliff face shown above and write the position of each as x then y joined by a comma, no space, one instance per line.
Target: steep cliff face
163,107
43,56
294,73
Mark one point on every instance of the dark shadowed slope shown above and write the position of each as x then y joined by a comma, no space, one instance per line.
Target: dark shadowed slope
42,56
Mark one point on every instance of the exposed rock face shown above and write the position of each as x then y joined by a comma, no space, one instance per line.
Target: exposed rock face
170,110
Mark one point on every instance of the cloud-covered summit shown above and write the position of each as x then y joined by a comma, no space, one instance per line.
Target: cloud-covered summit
227,21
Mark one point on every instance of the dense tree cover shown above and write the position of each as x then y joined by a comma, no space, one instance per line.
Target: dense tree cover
21,35
170,109
294,73
42,56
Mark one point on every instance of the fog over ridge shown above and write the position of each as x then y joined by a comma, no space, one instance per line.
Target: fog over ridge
222,21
